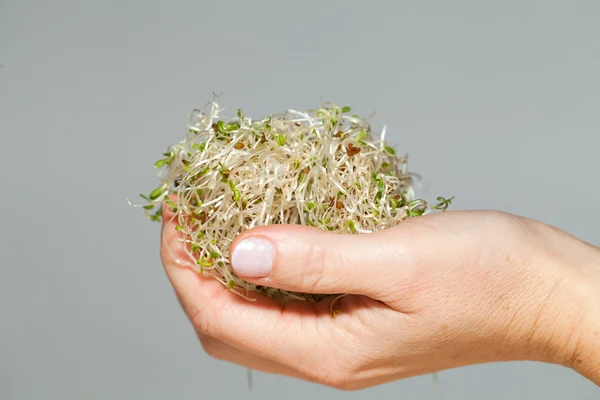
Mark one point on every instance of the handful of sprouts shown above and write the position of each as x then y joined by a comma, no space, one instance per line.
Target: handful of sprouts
322,168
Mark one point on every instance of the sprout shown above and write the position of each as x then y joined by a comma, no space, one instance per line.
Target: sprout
321,168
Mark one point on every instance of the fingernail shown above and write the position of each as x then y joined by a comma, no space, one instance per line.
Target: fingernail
253,258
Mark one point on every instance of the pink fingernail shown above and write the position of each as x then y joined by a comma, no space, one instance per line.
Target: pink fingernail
253,258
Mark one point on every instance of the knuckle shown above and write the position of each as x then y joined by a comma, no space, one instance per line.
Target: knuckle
321,265
316,265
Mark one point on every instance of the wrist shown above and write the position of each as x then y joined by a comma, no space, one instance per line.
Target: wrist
585,358
573,339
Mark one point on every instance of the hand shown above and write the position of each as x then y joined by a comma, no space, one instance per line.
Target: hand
435,292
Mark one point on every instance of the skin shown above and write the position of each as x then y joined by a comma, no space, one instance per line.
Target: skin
436,292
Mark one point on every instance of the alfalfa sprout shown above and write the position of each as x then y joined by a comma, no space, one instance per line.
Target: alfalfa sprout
323,168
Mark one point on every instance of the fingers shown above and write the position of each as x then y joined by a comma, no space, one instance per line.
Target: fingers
259,327
310,260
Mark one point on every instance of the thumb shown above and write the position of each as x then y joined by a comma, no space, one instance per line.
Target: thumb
310,260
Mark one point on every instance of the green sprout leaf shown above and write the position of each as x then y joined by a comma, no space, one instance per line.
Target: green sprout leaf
350,224
149,206
281,139
443,203
346,109
199,146
390,150
169,202
232,127
157,192
156,216
416,212
160,163
204,262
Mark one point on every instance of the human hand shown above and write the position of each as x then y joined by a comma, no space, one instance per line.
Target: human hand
435,292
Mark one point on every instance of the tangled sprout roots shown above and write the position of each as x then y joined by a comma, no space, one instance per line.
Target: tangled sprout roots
320,167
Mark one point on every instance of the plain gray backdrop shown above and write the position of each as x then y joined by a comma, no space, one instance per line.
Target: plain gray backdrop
496,103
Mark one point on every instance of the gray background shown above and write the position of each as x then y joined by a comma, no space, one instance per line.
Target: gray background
497,103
